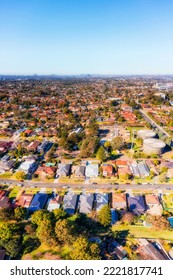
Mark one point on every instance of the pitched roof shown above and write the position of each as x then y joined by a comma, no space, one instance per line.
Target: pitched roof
101,200
25,200
152,199
136,204
92,170
4,202
80,171
50,170
121,162
55,202
150,252
119,197
38,202
70,202
86,203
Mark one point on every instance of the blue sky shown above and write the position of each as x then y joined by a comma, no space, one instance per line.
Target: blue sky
86,36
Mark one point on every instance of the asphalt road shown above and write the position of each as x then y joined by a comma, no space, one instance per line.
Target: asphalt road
152,122
28,184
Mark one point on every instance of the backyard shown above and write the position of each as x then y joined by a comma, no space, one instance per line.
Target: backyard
142,232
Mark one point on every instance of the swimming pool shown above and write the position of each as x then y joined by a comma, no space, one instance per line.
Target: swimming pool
170,219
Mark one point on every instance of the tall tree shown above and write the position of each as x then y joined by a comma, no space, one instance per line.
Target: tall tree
59,214
104,216
20,213
46,234
84,250
101,154
41,215
63,231
117,143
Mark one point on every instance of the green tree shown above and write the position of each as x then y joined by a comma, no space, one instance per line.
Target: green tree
8,230
59,214
104,216
13,246
20,175
84,250
117,143
20,213
41,215
46,234
107,145
101,154
6,214
63,231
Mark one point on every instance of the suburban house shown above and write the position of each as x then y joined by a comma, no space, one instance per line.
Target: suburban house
154,206
101,200
4,202
143,170
5,146
63,170
86,203
46,171
33,146
92,171
24,200
149,251
28,166
117,251
38,202
124,172
119,201
136,204
134,169
6,164
80,171
55,202
121,163
44,147
70,202
107,170
152,166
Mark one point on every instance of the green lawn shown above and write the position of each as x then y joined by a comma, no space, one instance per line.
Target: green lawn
168,202
32,190
14,192
49,190
143,232
6,175
67,180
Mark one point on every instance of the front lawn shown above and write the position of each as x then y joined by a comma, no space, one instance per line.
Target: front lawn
32,190
6,175
14,192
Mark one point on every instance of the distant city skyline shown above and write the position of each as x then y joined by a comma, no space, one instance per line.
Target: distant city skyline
105,37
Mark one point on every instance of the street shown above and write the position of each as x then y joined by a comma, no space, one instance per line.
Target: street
29,184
